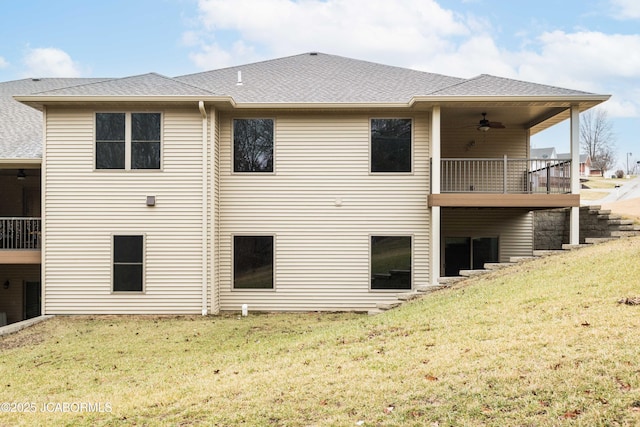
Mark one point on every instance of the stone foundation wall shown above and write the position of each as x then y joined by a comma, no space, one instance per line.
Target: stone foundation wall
551,227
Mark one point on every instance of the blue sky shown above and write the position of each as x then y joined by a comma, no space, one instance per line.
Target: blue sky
591,45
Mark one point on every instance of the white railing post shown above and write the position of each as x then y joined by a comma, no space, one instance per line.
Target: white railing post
504,184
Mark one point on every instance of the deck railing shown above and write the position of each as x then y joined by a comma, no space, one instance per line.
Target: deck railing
20,233
506,175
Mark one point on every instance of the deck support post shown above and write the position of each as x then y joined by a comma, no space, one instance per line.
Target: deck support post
574,220
435,189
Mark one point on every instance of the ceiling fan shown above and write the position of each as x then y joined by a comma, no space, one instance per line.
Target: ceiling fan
484,124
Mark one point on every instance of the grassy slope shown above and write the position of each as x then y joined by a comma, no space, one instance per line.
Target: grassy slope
543,343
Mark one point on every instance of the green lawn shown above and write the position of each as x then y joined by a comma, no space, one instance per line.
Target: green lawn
544,343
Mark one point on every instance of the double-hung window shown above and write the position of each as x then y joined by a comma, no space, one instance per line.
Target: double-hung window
128,140
128,263
253,145
391,145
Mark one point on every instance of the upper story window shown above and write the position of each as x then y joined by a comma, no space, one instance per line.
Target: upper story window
253,145
128,140
391,145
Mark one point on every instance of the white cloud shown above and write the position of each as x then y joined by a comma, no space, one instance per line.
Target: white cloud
393,32
626,9
50,62
3,62
419,34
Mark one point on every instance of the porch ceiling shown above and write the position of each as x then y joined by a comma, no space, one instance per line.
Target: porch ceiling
536,116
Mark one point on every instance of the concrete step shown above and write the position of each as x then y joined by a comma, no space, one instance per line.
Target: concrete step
387,305
609,217
469,273
604,212
597,240
570,247
408,296
446,281
625,233
629,227
374,312
497,265
425,289
520,258
616,221
543,253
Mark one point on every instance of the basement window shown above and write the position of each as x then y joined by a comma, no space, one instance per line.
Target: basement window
128,265
391,262
253,262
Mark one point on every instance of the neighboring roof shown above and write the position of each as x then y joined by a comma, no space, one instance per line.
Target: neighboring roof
544,153
20,125
151,84
564,156
320,78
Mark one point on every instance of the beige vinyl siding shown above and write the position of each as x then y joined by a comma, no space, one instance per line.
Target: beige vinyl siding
513,227
85,208
494,143
12,301
322,204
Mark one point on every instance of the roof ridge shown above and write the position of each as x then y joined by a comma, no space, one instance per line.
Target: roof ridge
455,84
249,63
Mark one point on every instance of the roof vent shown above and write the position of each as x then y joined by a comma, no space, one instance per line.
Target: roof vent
35,79
313,53
239,82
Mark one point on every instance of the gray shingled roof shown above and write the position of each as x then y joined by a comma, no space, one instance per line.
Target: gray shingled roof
20,125
486,85
151,84
319,78
305,78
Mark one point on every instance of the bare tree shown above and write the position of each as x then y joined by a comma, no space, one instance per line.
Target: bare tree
605,159
597,138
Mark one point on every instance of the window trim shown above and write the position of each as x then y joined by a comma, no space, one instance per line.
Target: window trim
369,262
233,145
273,261
144,264
412,148
128,144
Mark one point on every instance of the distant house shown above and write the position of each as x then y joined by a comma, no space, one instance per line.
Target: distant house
585,163
544,153
312,182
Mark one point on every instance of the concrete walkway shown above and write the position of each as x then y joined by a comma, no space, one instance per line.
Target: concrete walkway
629,190
15,327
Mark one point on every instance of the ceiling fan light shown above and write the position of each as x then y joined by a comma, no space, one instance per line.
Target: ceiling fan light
483,128
21,176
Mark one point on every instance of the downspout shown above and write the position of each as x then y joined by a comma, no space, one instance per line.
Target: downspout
203,113
43,217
